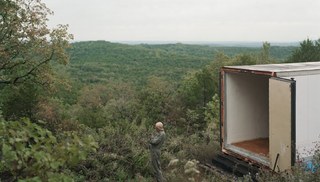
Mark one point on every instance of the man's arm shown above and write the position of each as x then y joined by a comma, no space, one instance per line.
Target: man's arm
156,139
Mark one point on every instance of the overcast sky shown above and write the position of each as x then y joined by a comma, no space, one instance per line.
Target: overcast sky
188,20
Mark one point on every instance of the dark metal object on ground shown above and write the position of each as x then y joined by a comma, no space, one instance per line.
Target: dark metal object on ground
234,165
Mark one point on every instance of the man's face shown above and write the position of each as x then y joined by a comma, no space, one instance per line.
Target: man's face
156,128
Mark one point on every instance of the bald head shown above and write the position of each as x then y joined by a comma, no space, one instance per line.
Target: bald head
159,126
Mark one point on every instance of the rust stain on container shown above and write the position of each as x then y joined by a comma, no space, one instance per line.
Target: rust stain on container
232,70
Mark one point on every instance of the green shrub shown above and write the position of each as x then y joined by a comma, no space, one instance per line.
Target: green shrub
122,154
32,153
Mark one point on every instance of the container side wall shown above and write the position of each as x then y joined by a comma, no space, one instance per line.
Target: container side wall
307,114
246,108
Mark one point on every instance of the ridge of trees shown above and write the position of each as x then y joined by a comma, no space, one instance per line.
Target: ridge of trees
102,61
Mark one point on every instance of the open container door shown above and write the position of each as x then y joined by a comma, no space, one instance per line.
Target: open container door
281,123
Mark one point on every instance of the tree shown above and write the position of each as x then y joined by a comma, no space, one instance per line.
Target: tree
307,52
265,53
198,87
27,45
156,99
245,59
19,101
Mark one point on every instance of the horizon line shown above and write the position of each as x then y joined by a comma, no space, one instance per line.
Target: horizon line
217,43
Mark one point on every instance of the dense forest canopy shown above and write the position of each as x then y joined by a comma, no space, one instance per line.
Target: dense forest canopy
91,119
100,61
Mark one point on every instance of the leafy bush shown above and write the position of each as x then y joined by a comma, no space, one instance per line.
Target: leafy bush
122,154
28,151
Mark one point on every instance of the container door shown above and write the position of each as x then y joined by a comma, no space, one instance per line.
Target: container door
281,123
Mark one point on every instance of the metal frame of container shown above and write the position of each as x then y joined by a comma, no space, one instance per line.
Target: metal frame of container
280,120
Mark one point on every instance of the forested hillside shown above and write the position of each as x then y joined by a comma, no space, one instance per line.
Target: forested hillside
100,61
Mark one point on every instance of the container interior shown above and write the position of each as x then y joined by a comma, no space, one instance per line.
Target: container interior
246,122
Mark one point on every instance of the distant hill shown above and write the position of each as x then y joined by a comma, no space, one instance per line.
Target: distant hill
102,61
214,43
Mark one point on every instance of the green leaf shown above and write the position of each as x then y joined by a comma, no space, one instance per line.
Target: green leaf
34,179
8,154
55,165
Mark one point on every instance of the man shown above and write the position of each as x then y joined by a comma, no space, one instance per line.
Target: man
155,147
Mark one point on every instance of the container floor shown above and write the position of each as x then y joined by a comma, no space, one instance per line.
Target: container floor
259,146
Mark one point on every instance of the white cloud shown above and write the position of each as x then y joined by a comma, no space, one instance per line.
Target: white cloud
187,20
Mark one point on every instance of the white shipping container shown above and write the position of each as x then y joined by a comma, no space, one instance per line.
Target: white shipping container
270,114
